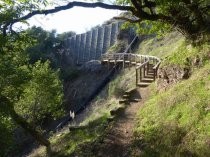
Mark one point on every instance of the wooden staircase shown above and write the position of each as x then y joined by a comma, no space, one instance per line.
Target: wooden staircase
146,66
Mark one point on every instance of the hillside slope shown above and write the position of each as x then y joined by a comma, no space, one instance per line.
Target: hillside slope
175,120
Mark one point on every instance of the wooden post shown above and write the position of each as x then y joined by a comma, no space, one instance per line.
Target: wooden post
135,59
123,61
140,74
144,68
154,74
147,68
108,63
136,76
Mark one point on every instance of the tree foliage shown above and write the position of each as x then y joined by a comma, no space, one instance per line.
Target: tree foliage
22,83
190,17
27,87
47,45
36,88
6,134
42,95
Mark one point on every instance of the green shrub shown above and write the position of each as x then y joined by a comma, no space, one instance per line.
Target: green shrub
6,136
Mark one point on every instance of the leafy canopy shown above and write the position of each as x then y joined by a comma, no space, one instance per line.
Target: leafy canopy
190,17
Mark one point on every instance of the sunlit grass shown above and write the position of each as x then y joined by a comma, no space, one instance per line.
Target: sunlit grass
176,122
161,47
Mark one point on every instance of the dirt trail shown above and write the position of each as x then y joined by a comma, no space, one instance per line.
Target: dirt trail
118,139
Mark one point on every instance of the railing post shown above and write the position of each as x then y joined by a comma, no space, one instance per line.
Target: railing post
135,59
136,76
123,61
154,74
144,70
140,74
108,63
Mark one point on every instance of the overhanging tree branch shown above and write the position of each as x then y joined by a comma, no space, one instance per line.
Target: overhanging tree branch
66,7
136,10
7,106
128,19
69,6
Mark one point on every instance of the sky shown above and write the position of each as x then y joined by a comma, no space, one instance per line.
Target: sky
77,19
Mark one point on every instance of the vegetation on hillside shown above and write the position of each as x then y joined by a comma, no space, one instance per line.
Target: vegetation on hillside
26,85
92,122
29,93
47,45
176,122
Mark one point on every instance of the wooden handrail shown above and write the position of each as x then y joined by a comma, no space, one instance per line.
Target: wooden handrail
141,61
143,64
156,65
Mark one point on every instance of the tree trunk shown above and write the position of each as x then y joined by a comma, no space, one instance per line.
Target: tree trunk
29,128
8,107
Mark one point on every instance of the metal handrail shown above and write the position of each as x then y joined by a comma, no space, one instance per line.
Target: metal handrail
131,44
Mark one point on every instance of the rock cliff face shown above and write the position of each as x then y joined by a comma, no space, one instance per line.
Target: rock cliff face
82,48
170,75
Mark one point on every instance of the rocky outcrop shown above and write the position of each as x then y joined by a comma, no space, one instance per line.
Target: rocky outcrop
171,74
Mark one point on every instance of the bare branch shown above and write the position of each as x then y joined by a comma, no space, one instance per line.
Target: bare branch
136,10
71,5
136,4
128,19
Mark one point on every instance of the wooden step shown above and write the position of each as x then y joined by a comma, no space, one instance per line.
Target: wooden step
143,84
123,101
119,60
126,96
117,111
135,100
129,91
111,61
149,80
150,72
149,76
105,60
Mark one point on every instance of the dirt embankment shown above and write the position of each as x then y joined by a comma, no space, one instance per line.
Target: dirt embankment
171,74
